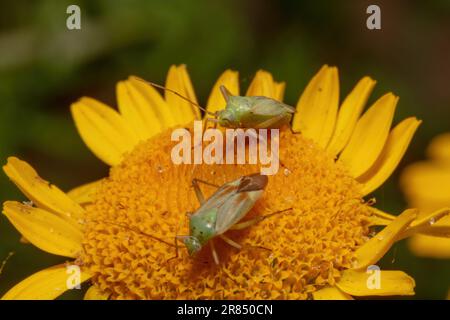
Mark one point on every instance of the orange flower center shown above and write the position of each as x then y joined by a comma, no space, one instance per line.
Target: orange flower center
286,256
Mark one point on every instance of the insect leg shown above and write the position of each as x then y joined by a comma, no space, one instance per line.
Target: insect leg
214,252
266,124
230,242
198,192
177,238
248,223
257,136
176,248
213,120
206,182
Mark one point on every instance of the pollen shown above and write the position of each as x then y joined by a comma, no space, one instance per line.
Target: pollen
129,240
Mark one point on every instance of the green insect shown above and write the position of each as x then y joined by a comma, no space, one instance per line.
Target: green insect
256,112
222,212
218,214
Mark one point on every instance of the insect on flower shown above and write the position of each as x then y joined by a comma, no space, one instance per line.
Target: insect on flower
256,112
223,211
219,213
146,191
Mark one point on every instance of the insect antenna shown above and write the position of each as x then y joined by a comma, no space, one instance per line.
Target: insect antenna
174,92
275,213
136,231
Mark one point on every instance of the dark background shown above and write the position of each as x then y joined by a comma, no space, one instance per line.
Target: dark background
44,67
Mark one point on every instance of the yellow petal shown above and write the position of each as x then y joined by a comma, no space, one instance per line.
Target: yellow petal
440,228
155,101
317,107
41,192
370,252
44,229
427,185
189,89
437,230
137,110
178,80
377,221
229,79
46,284
430,246
103,130
369,137
439,149
84,194
94,293
279,90
436,223
392,153
380,218
264,85
427,219
330,293
349,113
392,283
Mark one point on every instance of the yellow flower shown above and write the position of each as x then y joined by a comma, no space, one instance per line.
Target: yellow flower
120,230
427,187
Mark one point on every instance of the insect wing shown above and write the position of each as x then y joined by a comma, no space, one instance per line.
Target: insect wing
235,208
249,190
219,197
233,200
270,107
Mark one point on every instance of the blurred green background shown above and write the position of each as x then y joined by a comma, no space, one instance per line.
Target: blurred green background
44,67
